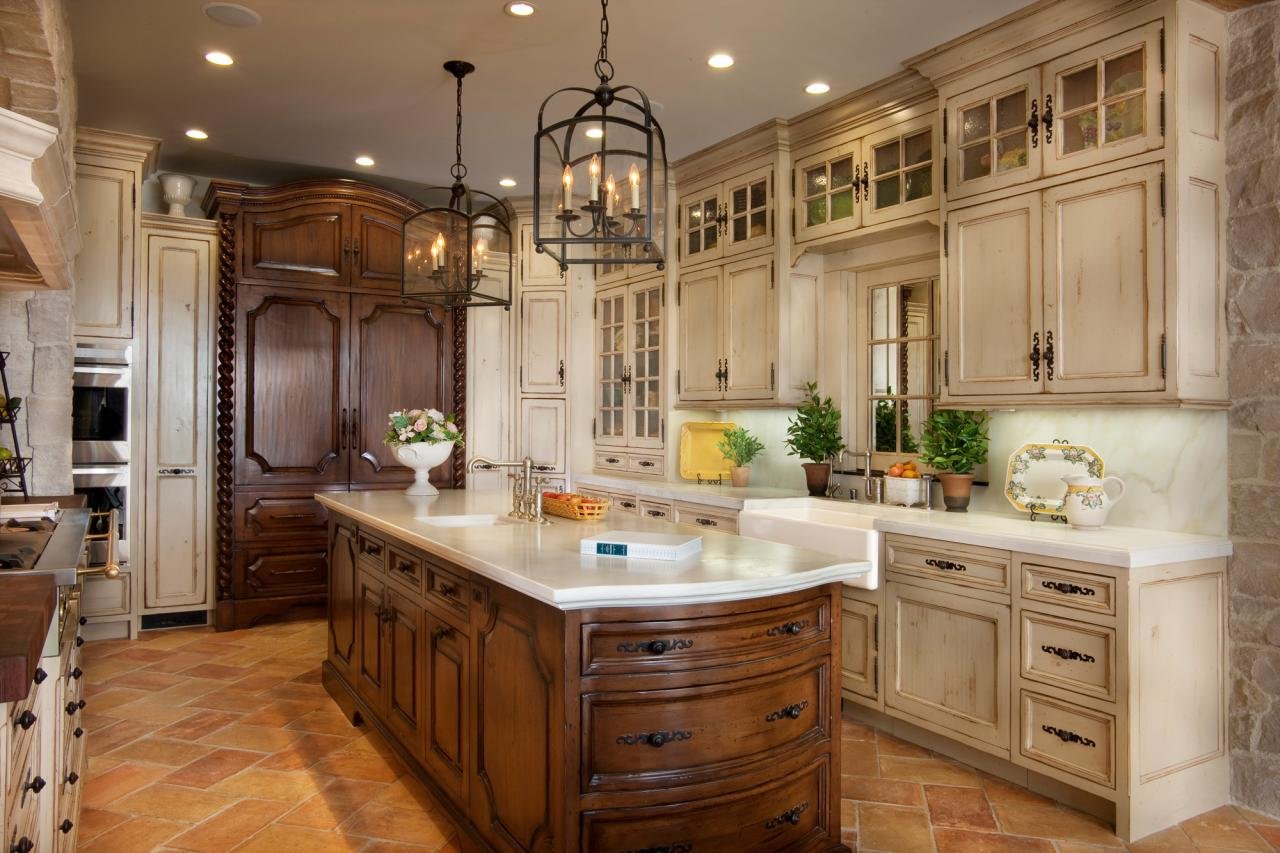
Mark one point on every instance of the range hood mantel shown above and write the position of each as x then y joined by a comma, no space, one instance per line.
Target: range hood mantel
39,233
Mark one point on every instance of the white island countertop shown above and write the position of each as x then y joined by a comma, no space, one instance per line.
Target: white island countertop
705,494
544,562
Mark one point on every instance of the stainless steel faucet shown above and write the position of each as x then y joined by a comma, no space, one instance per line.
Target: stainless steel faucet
526,496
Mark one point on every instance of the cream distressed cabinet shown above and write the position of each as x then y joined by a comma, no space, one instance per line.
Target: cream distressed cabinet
179,257
110,169
1102,102
542,369
727,218
537,269
629,423
1060,291
728,333
885,175
544,337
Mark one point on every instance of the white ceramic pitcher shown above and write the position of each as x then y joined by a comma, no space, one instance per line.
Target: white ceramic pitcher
1087,503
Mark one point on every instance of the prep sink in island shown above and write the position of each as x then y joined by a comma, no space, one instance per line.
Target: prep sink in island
556,701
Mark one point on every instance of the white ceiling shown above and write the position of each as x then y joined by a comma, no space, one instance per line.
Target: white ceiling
321,81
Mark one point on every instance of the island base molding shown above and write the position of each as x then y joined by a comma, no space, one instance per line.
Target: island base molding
698,727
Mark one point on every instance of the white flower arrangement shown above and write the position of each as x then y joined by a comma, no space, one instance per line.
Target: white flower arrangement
425,426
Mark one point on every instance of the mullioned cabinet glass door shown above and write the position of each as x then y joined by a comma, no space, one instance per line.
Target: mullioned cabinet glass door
828,192
702,221
611,370
749,202
629,365
994,134
901,174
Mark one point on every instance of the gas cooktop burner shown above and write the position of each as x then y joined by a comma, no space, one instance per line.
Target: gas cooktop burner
38,525
21,557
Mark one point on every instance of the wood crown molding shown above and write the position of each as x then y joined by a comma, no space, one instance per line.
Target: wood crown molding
764,139
143,150
859,108
232,195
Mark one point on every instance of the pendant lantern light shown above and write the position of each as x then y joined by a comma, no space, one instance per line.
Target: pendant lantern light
458,254
600,172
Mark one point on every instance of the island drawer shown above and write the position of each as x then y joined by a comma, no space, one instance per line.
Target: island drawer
649,739
448,590
706,518
964,565
405,566
788,814
24,774
104,596
371,551
1068,588
682,644
1072,739
1075,656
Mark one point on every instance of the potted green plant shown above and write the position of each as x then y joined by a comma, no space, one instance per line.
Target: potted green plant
814,434
739,447
955,442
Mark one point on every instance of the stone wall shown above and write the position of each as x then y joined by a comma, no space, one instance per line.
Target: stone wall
36,80
1253,312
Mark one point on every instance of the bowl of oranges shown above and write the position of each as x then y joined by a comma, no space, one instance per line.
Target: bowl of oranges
903,485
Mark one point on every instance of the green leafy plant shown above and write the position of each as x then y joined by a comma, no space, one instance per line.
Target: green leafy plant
955,441
739,446
814,433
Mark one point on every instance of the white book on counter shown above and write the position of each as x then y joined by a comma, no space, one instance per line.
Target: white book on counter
642,546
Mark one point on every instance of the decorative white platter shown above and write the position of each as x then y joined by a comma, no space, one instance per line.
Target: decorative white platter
1034,482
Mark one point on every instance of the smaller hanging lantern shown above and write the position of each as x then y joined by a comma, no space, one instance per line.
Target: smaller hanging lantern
600,173
458,254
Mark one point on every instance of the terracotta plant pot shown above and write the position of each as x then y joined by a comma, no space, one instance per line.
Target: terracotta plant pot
956,489
740,475
816,477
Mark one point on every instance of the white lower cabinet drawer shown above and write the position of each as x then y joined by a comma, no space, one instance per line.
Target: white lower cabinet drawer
103,596
609,460
639,464
657,510
1070,738
726,521
1075,656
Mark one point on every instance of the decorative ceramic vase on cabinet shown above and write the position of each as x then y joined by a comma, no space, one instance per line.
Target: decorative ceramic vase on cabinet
422,457
177,192
1087,503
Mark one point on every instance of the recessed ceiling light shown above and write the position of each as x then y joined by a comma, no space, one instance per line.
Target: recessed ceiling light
595,132
817,88
217,57
232,15
506,182
720,60
520,9
197,133
364,160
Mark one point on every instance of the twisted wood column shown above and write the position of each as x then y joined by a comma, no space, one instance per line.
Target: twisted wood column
225,419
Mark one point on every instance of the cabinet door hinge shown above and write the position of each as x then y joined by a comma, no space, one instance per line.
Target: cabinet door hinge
946,239
1162,194
679,216
1164,355
663,291
1162,113
771,274
946,369
875,633
134,188
773,376
875,674
946,173
678,289
663,428
773,222
594,304
944,125
522,375
593,429
677,382
1162,50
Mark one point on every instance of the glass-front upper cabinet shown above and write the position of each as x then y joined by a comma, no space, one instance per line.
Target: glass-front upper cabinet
900,176
750,211
993,135
1105,101
609,269
701,223
611,371
629,405
828,191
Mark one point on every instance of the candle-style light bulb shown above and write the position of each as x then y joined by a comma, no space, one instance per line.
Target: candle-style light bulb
593,169
481,247
634,177
610,195
567,180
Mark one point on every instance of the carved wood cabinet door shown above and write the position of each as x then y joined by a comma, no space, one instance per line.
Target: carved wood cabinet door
401,358
293,380
305,243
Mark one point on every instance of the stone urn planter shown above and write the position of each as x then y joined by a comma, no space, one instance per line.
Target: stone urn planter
422,457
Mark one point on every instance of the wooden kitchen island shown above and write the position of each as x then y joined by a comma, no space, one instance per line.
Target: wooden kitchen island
559,702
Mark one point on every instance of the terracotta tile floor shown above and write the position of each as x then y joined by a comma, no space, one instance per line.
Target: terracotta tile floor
215,742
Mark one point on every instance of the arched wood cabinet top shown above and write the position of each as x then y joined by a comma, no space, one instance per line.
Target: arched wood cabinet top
234,196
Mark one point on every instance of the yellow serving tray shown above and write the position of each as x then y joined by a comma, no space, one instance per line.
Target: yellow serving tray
699,456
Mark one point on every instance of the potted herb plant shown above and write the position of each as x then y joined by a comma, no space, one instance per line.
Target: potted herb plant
421,439
739,447
955,442
814,434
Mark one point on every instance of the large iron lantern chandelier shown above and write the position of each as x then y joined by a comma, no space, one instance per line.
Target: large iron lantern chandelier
458,254
600,173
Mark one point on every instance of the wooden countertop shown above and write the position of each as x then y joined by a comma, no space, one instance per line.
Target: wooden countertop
27,603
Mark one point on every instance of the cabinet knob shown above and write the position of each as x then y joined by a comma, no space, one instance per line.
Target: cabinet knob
80,640
448,590
66,826
792,628
79,732
73,777
77,673
40,676
25,720
790,816
84,620
655,647
23,845
657,740
35,786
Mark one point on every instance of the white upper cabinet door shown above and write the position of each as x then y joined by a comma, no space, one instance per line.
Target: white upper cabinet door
1105,101
701,220
750,309
105,273
543,338
543,433
901,172
994,303
994,135
827,192
1104,283
701,336
644,364
179,350
611,367
749,203
537,269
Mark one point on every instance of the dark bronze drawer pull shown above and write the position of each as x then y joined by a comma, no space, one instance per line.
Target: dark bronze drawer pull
654,739
23,845
791,816
627,504
657,513
1068,654
372,549
26,720
66,826
405,567
35,786
612,460
790,712
448,590
946,565
79,642
71,708
77,673
73,777
1068,736
442,632
291,516
655,647
39,676
793,627
645,463
1068,588
707,522
79,732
